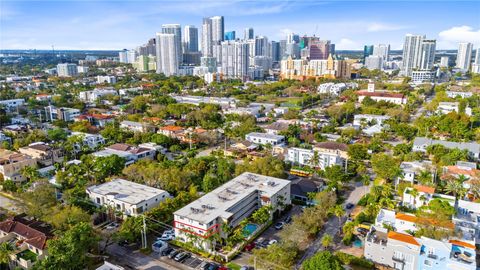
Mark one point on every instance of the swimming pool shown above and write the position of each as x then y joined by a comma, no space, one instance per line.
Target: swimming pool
358,243
249,229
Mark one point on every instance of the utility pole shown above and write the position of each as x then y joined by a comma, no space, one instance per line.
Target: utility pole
144,233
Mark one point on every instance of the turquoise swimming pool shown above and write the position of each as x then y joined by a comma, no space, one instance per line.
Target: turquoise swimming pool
357,243
249,229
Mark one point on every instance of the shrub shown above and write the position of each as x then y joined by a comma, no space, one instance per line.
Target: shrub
353,260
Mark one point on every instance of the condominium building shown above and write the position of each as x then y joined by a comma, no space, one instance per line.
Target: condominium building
12,163
53,113
93,96
224,102
129,198
176,30
213,32
190,39
67,70
228,205
464,56
418,54
167,54
12,104
235,60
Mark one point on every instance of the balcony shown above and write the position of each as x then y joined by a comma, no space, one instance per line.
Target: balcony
377,237
432,256
398,259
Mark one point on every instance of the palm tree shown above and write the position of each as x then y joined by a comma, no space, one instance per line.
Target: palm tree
455,186
425,177
30,173
339,212
315,160
366,182
414,193
327,240
6,249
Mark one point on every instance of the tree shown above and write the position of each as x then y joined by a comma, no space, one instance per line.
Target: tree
38,203
66,217
276,256
268,165
6,249
327,240
322,261
57,134
69,250
385,166
455,187
338,211
262,215
107,166
358,151
30,173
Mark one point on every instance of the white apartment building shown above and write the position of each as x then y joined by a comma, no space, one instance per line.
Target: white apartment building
197,100
422,76
464,56
65,114
454,94
106,79
229,204
374,62
93,95
91,140
448,107
300,156
67,70
136,126
369,119
326,157
130,153
12,104
265,138
129,198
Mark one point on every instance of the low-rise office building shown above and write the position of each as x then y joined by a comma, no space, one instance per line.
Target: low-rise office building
265,138
128,198
228,205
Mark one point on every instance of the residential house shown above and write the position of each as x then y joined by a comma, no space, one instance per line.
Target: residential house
467,221
276,127
97,120
300,190
5,138
12,163
92,141
12,104
421,143
412,169
197,100
45,154
130,153
467,170
171,131
29,238
448,107
403,251
454,94
387,96
418,196
128,198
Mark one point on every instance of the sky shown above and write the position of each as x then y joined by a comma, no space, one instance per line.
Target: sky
114,25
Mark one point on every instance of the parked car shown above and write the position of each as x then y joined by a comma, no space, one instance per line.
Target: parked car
204,266
166,251
288,219
279,225
112,226
173,253
273,241
349,205
250,246
245,267
182,256
362,231
166,237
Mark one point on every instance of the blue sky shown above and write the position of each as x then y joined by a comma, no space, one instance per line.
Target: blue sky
109,24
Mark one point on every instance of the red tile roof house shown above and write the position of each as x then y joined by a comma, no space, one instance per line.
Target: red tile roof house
29,237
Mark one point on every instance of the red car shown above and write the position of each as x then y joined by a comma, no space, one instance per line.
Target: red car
250,246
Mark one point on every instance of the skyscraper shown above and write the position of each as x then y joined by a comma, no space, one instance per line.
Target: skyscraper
444,61
235,59
230,35
177,31
367,51
261,46
248,33
148,49
190,39
382,50
464,55
67,70
167,54
212,33
123,56
476,63
319,49
275,51
427,54
418,53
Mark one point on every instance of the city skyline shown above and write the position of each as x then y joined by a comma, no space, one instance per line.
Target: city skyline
114,25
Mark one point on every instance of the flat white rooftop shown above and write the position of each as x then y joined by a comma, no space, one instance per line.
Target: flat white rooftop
126,191
266,136
218,202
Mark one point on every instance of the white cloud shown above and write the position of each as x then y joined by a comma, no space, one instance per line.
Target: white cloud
379,27
346,44
451,37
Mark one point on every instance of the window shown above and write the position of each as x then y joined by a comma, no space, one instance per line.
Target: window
98,200
427,262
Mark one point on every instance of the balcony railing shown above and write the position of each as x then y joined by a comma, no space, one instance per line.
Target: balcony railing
398,259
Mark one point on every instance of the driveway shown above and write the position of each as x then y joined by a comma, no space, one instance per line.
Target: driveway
9,204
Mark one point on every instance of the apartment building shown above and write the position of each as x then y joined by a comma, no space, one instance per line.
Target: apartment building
93,96
369,119
197,100
448,107
137,126
420,144
322,155
403,251
12,163
229,204
97,120
92,141
45,154
129,198
265,138
387,96
12,104
467,221
65,114
418,198
454,94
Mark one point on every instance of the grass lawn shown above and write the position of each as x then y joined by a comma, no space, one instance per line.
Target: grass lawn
233,266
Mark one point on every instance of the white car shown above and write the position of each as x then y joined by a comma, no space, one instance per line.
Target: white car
271,242
112,226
